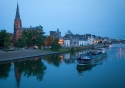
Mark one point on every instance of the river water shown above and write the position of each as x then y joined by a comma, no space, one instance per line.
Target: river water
62,71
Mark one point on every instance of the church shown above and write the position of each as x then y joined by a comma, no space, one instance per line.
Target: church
18,29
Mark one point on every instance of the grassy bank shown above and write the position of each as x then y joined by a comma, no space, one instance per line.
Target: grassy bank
75,49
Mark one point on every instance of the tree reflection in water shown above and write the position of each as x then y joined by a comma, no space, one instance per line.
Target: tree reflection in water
53,59
33,67
4,70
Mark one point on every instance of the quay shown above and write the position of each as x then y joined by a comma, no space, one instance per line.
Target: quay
29,53
26,53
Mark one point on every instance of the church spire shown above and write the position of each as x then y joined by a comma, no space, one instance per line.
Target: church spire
17,17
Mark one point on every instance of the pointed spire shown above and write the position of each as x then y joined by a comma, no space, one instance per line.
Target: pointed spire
17,17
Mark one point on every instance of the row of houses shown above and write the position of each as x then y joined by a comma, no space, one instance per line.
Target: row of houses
71,39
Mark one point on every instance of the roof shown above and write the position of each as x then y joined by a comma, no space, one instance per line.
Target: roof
31,28
17,17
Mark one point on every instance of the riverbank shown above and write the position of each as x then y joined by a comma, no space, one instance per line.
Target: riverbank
26,53
79,48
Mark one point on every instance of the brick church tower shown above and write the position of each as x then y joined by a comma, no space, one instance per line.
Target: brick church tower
17,24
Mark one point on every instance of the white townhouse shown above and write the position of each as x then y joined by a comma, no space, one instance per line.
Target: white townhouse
83,42
90,40
66,41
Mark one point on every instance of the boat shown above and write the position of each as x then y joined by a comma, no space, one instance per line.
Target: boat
92,56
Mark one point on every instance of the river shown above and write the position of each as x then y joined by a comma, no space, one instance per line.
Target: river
62,71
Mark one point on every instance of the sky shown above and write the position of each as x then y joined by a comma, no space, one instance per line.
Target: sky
105,18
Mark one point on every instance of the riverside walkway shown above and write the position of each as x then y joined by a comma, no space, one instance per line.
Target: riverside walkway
26,53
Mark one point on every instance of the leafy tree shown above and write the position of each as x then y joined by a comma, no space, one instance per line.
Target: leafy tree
55,45
48,41
21,43
72,50
4,39
34,37
39,38
39,41
28,36
11,38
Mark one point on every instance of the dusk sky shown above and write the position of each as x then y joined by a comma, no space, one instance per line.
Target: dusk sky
104,18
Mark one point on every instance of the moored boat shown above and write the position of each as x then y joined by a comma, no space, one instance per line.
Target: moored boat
92,56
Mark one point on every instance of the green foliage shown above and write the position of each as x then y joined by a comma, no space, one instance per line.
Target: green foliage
48,41
72,50
4,39
34,37
21,42
55,45
28,36
39,41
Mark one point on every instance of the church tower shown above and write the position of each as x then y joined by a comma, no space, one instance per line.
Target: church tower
17,24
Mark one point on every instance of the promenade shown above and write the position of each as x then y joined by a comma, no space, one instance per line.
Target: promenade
25,53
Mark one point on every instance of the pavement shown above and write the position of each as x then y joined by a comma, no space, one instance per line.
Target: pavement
25,53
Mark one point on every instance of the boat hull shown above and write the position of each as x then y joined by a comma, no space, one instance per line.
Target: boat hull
92,59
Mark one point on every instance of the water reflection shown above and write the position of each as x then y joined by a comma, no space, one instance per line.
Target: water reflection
33,67
121,53
54,59
88,67
69,58
82,68
4,70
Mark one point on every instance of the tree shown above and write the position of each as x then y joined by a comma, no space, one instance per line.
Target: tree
39,41
4,39
39,37
55,45
11,38
48,41
21,43
72,50
34,37
28,36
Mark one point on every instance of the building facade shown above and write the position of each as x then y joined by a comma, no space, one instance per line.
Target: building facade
17,24
55,34
18,29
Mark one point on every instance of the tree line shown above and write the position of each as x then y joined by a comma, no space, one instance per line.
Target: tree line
28,38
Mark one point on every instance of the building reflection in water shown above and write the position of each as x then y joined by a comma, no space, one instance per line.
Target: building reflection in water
28,68
69,58
121,53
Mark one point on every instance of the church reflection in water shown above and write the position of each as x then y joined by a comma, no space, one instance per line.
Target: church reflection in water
28,68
